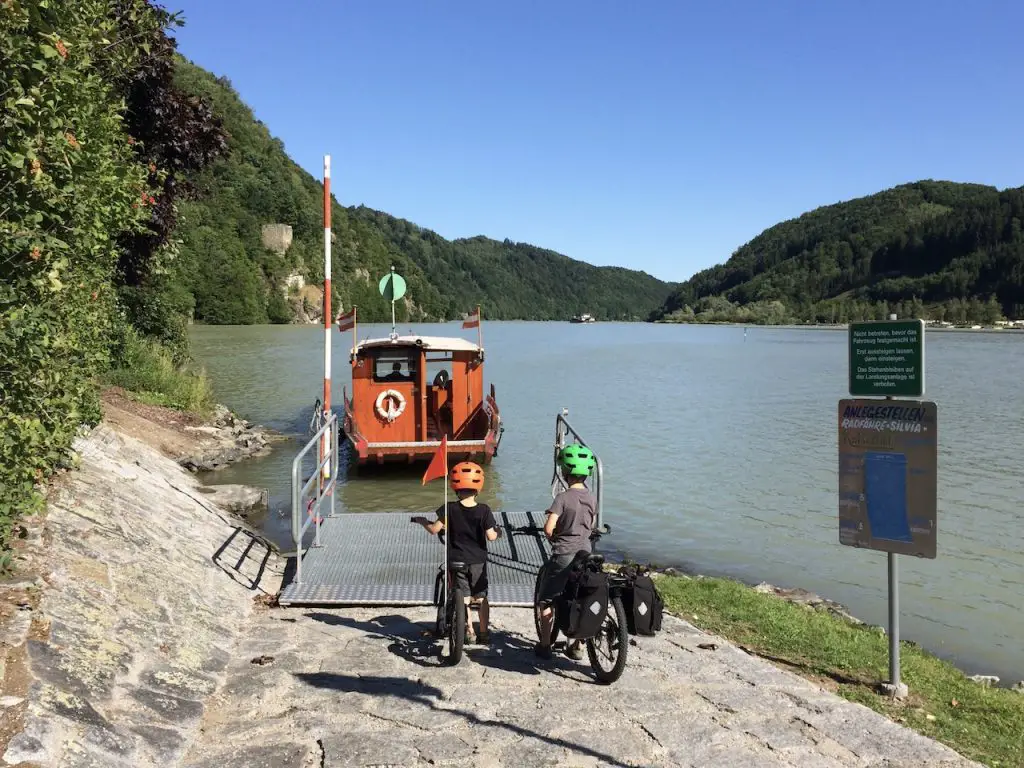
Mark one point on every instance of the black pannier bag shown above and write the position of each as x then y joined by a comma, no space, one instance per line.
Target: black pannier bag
644,606
584,603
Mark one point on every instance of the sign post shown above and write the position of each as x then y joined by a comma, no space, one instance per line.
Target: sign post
888,457
392,288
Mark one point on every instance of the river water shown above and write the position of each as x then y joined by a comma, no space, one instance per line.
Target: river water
719,448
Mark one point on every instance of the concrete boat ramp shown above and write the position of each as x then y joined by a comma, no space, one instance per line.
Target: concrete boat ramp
363,687
150,639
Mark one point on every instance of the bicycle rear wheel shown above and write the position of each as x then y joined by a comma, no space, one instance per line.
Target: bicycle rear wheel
456,626
607,651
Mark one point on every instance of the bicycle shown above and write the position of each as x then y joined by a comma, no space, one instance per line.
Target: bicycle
451,623
614,632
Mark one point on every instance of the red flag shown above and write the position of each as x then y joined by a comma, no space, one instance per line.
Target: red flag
472,319
439,464
346,321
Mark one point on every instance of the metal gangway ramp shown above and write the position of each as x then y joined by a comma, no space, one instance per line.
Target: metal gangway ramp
381,558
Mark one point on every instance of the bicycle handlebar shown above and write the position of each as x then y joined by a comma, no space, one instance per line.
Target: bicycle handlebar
597,533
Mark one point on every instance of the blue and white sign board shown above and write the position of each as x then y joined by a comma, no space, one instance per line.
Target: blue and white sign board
888,452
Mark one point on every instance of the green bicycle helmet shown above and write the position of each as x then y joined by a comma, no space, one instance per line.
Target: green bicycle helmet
576,459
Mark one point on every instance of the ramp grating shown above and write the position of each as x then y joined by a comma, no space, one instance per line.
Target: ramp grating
380,558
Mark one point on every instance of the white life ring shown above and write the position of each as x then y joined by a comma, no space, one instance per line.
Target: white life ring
392,412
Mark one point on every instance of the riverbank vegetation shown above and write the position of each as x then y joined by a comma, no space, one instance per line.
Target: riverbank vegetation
931,250
148,370
96,144
982,723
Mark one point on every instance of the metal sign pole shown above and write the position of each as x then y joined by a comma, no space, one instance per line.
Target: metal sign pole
898,689
894,617
895,687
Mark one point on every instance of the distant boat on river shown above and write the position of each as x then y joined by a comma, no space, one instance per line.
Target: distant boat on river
584,318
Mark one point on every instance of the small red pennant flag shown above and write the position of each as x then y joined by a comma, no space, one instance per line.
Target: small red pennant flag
439,464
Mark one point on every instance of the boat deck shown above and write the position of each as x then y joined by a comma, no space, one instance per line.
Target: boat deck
380,558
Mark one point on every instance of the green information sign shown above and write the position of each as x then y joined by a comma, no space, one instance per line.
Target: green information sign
887,358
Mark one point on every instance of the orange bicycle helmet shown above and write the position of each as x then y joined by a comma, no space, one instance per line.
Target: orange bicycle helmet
466,476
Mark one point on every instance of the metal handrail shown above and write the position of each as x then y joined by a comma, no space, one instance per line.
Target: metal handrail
558,484
322,482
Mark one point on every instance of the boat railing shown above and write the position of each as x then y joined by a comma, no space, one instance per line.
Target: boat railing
310,496
564,430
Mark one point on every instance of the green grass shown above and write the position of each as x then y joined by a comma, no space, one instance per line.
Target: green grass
149,373
984,724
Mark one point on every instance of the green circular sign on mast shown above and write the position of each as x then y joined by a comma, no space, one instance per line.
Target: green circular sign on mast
392,286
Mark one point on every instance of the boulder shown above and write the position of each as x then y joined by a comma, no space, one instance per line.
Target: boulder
242,500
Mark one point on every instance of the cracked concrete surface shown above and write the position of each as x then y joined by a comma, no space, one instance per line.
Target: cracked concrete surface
144,596
365,687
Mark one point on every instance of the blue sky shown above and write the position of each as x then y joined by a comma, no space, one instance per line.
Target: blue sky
655,135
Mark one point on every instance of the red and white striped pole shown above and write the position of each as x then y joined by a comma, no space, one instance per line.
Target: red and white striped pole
324,447
327,285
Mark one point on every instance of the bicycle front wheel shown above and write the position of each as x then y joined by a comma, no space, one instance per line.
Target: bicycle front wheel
607,651
440,600
456,627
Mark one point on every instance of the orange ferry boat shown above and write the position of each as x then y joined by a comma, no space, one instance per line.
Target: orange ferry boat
410,391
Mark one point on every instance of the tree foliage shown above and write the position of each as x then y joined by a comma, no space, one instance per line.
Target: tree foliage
175,135
78,194
232,278
931,249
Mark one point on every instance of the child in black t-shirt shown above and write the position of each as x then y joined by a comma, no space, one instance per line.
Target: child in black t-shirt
470,526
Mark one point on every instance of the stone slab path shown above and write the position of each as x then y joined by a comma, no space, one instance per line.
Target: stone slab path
364,687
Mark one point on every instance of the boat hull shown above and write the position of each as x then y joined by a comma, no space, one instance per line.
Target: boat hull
480,451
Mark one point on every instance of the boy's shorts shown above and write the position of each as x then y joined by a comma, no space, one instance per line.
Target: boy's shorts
556,574
473,583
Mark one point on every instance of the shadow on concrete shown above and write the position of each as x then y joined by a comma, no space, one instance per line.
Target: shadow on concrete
428,696
412,641
415,642
244,556
512,653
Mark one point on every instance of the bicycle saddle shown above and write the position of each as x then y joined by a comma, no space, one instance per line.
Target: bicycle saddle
584,559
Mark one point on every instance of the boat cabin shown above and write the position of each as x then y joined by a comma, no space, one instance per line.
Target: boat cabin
409,391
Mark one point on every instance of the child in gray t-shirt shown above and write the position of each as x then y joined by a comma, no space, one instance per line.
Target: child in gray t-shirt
568,526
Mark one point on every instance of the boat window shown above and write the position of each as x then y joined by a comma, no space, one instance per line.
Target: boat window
394,366
437,365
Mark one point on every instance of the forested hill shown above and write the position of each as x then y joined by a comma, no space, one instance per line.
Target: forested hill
518,280
933,249
229,275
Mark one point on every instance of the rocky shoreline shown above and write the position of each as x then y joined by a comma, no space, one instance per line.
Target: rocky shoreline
227,439
197,444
